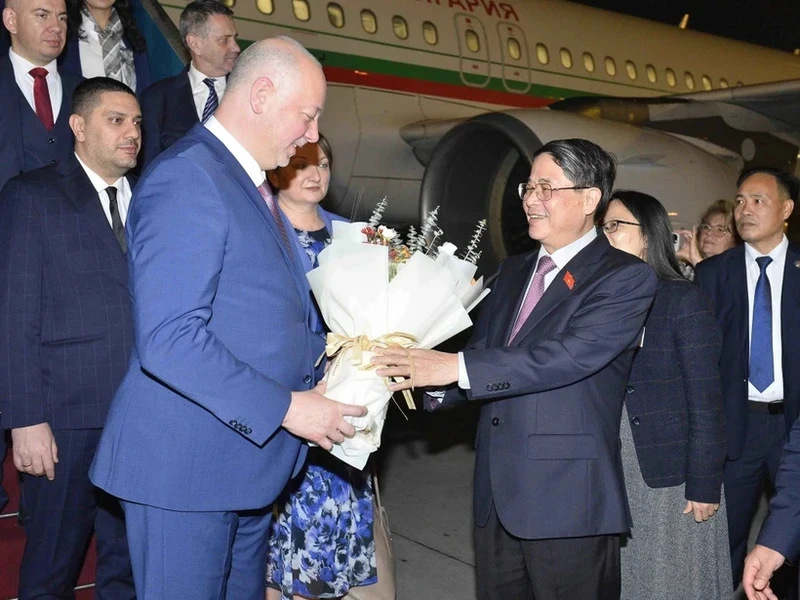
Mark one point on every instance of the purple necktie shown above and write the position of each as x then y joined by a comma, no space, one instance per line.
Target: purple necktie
535,292
272,204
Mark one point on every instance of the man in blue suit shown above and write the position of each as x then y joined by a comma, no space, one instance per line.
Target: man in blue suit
66,340
206,428
174,105
550,357
779,539
34,104
755,289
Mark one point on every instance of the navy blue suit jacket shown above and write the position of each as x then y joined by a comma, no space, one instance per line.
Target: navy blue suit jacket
70,62
67,325
724,278
168,113
548,436
24,149
673,396
781,530
222,313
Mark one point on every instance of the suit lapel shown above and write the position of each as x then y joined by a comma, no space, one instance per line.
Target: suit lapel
580,268
80,191
735,279
12,105
790,299
184,97
514,286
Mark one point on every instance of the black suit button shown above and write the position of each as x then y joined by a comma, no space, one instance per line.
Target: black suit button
307,379
488,387
495,421
248,431
51,141
635,421
628,389
506,385
52,162
233,423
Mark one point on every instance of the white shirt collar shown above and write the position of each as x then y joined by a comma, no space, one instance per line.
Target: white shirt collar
242,156
777,254
563,255
98,182
23,65
196,79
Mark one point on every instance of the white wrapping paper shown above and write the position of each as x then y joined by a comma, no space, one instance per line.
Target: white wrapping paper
427,299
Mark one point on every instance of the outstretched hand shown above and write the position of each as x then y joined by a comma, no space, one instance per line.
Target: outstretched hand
420,368
318,419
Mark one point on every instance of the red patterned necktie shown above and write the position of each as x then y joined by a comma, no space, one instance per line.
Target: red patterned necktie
272,204
41,97
535,293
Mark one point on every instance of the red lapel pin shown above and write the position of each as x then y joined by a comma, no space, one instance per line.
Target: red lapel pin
569,280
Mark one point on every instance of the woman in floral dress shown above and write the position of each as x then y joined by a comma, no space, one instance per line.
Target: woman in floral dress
321,541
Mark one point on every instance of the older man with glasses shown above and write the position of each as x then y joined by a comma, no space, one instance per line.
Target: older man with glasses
549,359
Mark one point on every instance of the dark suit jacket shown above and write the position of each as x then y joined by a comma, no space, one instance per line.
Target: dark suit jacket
67,326
548,437
168,113
781,530
26,148
724,278
70,62
673,396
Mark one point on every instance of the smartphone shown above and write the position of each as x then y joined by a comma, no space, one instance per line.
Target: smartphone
677,241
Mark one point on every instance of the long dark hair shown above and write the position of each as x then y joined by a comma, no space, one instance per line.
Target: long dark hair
129,28
656,229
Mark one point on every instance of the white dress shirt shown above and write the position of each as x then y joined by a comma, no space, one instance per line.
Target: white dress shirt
90,50
242,156
560,257
200,90
123,193
22,68
775,275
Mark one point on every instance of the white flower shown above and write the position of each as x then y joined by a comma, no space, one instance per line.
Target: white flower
448,248
387,233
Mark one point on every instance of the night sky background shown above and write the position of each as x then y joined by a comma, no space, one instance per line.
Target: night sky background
774,23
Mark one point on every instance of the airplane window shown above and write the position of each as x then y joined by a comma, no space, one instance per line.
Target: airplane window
588,62
514,49
473,41
368,21
301,10
335,15
265,6
400,27
706,82
671,80
229,3
611,66
630,69
429,33
688,78
566,58
652,76
739,84
542,54
723,83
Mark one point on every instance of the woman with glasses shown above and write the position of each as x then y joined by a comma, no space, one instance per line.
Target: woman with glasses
672,429
715,234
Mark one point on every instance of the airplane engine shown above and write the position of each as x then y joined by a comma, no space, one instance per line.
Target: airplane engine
475,168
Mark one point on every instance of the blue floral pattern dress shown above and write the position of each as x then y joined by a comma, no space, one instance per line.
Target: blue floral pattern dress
321,542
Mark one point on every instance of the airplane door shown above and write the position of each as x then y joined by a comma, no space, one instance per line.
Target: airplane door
473,50
516,60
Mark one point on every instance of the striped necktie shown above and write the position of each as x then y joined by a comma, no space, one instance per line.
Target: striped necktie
272,204
534,294
41,97
762,369
213,100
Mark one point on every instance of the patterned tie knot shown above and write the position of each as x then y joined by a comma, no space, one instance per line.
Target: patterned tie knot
763,263
210,83
546,264
39,73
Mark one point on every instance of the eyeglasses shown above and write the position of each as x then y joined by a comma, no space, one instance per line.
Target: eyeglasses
612,226
544,191
717,230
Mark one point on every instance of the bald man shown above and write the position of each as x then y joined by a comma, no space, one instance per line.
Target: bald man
34,129
207,426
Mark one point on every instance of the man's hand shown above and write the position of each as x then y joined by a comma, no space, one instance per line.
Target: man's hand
35,451
689,250
318,419
702,511
759,566
421,368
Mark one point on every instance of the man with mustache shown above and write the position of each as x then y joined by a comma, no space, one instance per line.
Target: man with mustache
35,99
174,105
66,340
754,288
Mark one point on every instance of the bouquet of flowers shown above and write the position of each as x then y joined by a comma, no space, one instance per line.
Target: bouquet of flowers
374,291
